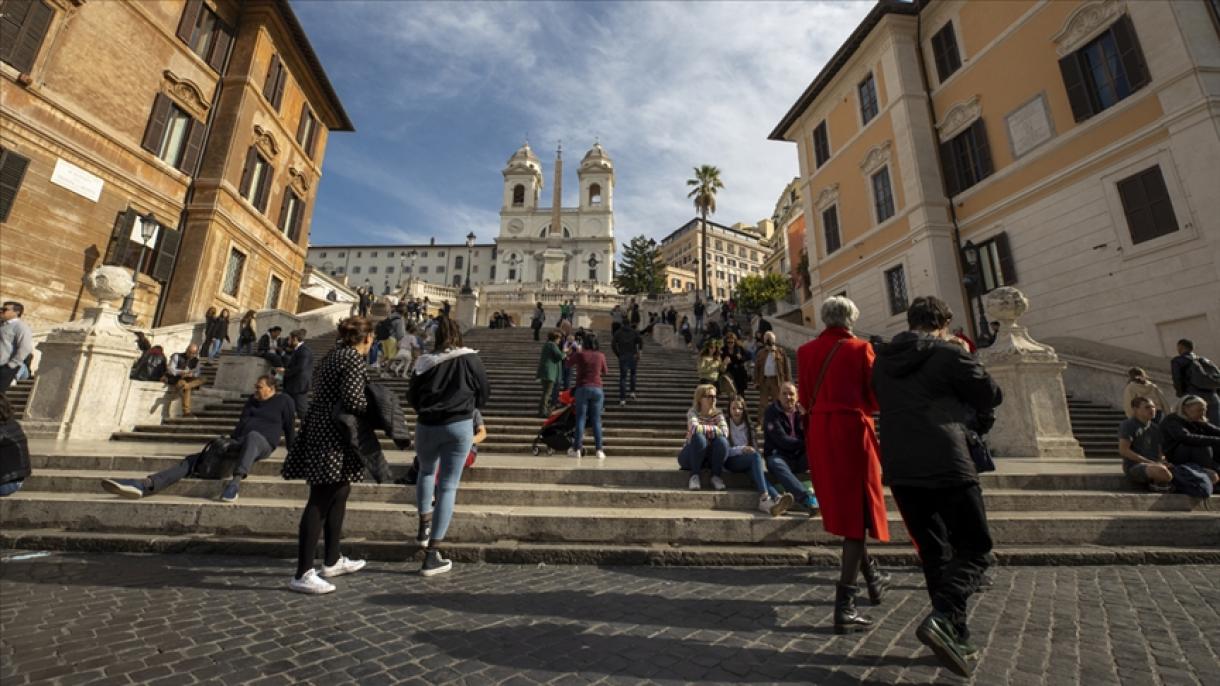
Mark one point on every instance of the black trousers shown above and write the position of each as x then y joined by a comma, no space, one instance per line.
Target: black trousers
301,402
7,374
949,526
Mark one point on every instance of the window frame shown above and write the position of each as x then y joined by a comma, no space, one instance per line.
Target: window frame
894,306
1139,181
238,276
258,195
873,99
1079,82
821,145
31,33
219,40
13,166
944,69
279,292
889,194
832,211
972,144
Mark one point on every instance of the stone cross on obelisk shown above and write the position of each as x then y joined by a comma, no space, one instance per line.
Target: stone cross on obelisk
554,257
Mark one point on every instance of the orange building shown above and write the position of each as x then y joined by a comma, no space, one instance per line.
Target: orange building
1067,148
212,115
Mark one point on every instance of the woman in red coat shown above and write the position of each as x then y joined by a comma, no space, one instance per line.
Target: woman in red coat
844,458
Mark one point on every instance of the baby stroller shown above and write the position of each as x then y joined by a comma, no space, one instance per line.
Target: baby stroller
559,429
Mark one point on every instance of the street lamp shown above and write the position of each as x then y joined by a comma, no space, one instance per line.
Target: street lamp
148,229
972,279
469,245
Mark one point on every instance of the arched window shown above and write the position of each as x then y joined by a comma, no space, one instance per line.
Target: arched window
518,195
595,194
567,233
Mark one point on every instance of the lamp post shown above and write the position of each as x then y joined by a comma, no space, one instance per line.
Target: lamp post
469,246
148,229
973,280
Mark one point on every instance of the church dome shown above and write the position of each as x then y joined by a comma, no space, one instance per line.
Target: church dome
596,159
524,160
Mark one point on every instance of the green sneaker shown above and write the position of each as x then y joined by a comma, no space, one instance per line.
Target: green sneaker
938,634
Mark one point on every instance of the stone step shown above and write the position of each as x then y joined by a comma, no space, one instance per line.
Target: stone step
487,523
578,497
621,472
656,555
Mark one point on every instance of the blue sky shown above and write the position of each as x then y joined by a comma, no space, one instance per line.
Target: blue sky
442,93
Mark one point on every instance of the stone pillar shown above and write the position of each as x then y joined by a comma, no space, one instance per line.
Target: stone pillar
83,378
1033,420
467,312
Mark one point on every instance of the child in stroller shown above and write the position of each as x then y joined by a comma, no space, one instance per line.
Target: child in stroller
559,428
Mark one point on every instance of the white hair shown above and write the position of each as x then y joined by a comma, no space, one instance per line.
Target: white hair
839,311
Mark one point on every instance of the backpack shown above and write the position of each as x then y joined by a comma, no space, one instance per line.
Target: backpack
383,330
218,459
1192,480
150,367
1205,374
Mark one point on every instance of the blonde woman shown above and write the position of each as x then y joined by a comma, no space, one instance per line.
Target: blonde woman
1139,385
744,456
707,441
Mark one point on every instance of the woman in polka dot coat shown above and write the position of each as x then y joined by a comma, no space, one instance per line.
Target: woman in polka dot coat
325,460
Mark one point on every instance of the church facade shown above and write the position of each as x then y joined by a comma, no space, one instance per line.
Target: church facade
557,244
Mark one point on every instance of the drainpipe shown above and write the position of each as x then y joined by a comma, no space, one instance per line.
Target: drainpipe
957,232
190,189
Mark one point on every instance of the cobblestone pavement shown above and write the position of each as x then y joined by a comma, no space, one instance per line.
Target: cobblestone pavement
166,619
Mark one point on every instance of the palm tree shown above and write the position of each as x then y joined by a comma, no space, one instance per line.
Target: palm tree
705,184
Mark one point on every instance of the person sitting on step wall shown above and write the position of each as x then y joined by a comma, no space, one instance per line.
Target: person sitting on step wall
266,417
744,457
183,375
271,348
1139,444
707,439
784,446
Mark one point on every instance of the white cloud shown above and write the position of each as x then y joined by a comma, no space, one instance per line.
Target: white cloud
666,86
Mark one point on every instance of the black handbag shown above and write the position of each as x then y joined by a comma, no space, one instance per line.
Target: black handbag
980,452
218,459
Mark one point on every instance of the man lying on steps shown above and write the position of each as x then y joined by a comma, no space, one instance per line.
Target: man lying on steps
266,417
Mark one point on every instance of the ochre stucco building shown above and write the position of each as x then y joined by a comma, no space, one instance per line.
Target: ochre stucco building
1068,148
213,115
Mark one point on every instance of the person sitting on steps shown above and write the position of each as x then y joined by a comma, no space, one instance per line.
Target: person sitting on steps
266,417
183,375
784,446
707,439
743,456
1189,438
1139,444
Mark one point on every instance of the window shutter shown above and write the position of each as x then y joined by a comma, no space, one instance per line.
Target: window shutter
264,189
194,147
1008,266
982,150
156,124
1077,89
1129,52
190,16
23,50
298,220
313,136
273,72
280,77
120,240
1160,204
301,123
948,168
220,46
167,253
1136,206
243,189
12,171
284,206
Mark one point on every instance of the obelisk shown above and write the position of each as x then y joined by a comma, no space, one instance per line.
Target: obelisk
554,257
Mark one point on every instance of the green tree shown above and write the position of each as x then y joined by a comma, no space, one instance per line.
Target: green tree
641,270
705,185
756,291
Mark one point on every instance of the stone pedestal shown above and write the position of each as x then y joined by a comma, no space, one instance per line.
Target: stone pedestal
467,312
1033,420
239,372
553,259
83,378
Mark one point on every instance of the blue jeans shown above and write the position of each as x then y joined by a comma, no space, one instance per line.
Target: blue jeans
374,351
589,403
443,447
626,368
752,463
699,451
245,347
782,471
10,488
567,378
217,344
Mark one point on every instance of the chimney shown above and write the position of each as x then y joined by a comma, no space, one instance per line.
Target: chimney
432,240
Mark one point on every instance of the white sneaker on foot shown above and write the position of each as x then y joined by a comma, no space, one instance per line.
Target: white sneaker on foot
311,583
601,454
694,484
765,503
718,483
343,566
573,452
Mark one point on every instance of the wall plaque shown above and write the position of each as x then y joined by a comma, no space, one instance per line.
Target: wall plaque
77,180
1029,126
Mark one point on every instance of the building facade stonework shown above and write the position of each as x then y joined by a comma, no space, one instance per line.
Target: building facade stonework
385,268
213,116
1067,148
733,252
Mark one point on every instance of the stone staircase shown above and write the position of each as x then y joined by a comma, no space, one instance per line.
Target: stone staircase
1095,427
631,508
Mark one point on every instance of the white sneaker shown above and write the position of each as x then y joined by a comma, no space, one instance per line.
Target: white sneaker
573,452
718,483
765,503
601,454
694,484
311,583
622,403
343,566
